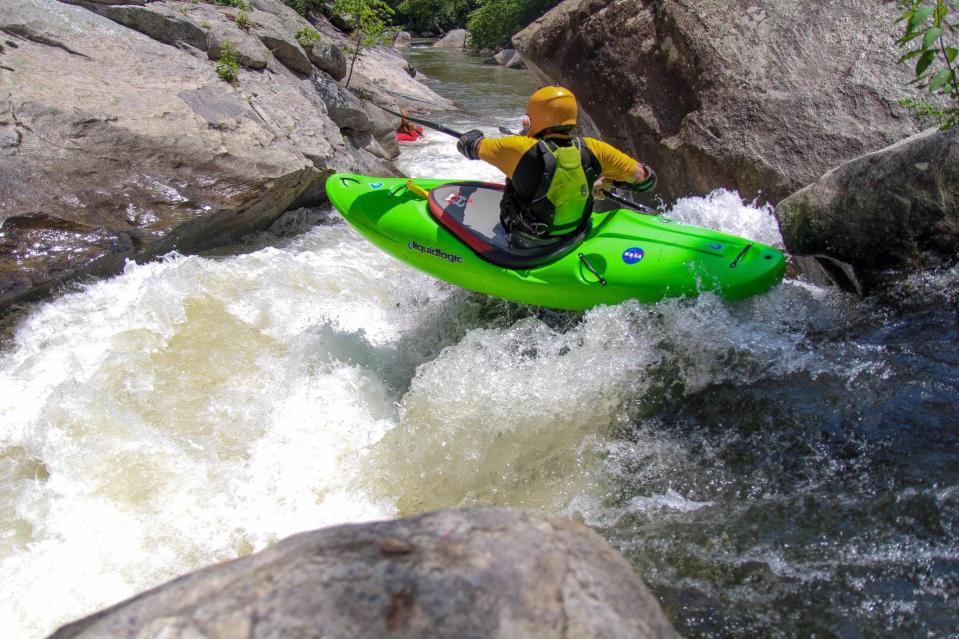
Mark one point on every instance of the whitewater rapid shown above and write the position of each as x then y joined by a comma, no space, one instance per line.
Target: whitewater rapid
195,409
198,408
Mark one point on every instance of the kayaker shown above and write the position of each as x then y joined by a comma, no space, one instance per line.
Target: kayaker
552,176
406,127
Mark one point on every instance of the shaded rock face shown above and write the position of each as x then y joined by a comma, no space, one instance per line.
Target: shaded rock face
762,96
475,573
115,144
881,214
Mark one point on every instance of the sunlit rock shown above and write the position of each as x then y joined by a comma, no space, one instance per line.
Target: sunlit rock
472,573
455,39
403,40
114,123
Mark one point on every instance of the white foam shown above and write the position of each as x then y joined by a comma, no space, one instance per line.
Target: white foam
187,411
193,409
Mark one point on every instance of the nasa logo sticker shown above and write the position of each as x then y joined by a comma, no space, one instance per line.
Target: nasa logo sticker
633,254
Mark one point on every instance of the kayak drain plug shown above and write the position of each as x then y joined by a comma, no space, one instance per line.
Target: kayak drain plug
582,258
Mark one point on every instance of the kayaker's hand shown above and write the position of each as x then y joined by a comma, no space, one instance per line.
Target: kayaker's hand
646,181
600,187
469,144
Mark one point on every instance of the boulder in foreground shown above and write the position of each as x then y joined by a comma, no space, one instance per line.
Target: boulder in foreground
486,572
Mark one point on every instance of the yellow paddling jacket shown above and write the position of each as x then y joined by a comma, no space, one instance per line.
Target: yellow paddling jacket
550,181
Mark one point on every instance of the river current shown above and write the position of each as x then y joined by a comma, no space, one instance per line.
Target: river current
783,466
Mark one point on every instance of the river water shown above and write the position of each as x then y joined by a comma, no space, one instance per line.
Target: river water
783,466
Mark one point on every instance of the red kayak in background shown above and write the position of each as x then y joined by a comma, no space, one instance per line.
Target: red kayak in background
409,136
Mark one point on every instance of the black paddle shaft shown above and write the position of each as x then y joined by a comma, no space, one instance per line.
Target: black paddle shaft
639,208
432,125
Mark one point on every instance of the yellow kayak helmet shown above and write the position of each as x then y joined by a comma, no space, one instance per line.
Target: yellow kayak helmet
551,107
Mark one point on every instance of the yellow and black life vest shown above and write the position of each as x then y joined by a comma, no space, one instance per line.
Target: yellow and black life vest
551,191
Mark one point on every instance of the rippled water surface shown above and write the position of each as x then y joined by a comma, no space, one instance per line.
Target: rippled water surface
786,465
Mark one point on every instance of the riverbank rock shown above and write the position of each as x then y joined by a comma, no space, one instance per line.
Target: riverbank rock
875,217
385,75
403,40
505,56
398,91
473,573
121,142
515,62
762,97
455,39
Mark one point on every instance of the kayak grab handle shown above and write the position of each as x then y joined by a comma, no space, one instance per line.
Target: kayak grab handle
413,188
742,254
582,258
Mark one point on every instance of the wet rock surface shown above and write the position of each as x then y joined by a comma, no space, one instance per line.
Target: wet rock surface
882,214
475,573
762,97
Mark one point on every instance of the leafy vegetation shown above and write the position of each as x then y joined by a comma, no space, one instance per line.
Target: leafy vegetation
243,20
494,22
227,67
307,36
369,19
435,15
300,6
239,4
933,40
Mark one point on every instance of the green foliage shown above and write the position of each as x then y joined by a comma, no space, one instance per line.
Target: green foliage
227,67
933,40
243,20
239,4
369,18
307,36
495,22
435,14
300,6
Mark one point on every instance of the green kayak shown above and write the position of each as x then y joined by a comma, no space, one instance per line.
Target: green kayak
450,230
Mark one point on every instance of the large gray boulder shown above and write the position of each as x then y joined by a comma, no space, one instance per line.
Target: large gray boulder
493,573
882,214
505,56
328,57
115,145
403,40
281,42
455,39
762,97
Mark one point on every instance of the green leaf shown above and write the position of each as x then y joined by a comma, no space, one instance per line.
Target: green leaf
909,37
925,60
910,55
919,18
939,80
929,40
951,54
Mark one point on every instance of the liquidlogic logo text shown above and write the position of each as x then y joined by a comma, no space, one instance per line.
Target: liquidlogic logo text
435,252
